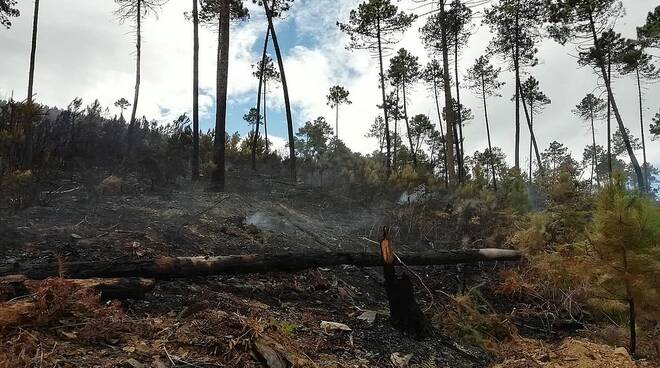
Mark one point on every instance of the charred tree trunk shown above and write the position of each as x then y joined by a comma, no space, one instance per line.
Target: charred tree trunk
641,125
490,147
195,112
173,267
384,95
29,134
405,314
218,177
405,116
449,110
442,132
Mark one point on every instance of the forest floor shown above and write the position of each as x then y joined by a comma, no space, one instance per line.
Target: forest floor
248,320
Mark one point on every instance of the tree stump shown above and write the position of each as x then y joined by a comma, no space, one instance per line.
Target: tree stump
405,314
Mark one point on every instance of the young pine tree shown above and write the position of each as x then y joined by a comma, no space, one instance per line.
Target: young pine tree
624,241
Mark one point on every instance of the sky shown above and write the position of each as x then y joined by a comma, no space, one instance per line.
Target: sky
85,51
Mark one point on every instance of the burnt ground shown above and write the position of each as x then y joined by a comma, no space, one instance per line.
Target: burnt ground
242,321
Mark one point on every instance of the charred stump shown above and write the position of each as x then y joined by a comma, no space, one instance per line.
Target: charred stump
405,314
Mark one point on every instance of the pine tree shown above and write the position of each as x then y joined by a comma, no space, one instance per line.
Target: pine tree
432,75
534,101
337,96
589,109
624,242
580,20
8,10
403,72
374,26
516,27
220,13
649,33
265,71
483,78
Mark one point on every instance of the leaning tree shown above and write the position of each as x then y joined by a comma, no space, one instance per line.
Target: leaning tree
483,78
581,21
374,26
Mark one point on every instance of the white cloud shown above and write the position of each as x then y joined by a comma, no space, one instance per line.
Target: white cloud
83,51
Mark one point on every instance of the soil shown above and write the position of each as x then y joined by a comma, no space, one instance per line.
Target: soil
244,321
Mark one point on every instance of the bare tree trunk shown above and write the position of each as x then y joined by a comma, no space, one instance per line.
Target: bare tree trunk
531,130
285,89
641,125
167,267
490,147
382,89
218,177
449,109
265,117
442,132
138,54
337,121
29,134
531,123
459,116
258,122
516,67
593,148
609,124
195,112
622,127
405,116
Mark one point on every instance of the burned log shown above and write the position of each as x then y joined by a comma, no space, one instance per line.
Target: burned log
16,286
181,267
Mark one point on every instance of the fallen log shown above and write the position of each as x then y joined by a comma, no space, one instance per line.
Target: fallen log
179,267
16,286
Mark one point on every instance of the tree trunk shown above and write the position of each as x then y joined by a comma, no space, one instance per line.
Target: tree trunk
218,177
490,147
641,125
172,267
531,124
459,116
396,132
258,122
609,124
285,89
622,127
382,89
531,130
516,67
195,112
138,54
405,116
451,120
442,132
593,148
109,288
29,134
265,117
337,121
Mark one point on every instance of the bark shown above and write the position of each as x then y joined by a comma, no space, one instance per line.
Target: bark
396,132
195,112
138,54
405,116
641,125
265,117
531,130
172,267
490,147
442,132
609,124
382,89
29,139
337,121
261,79
218,177
615,108
531,123
516,67
451,120
285,89
459,116
593,159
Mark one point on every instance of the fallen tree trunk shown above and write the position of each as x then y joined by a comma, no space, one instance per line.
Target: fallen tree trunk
108,289
177,267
